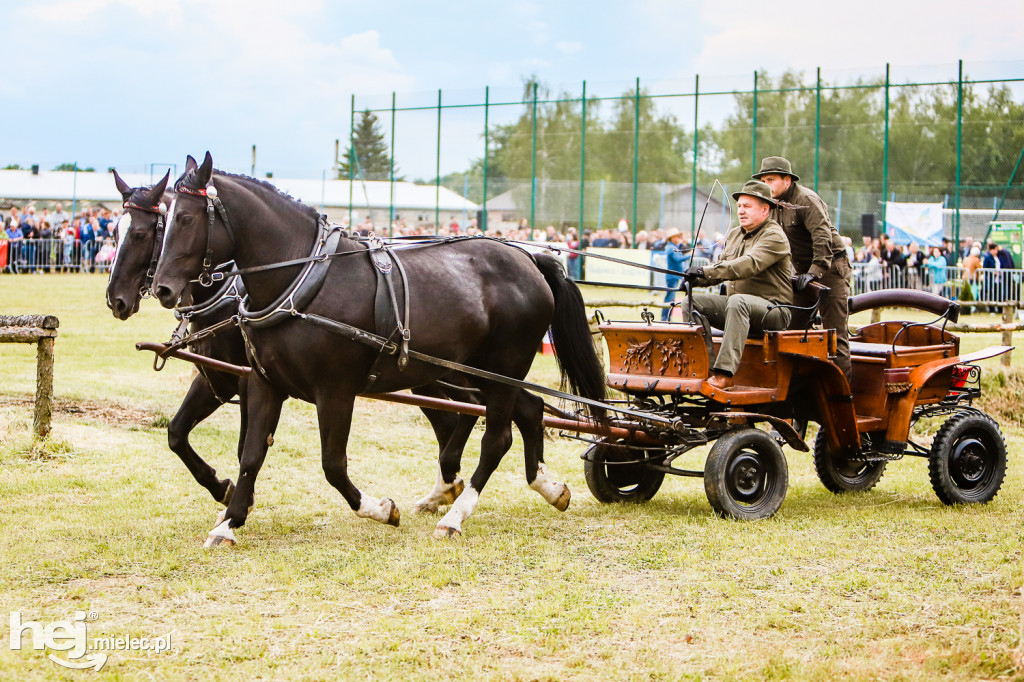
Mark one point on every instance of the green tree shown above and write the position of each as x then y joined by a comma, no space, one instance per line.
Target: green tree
72,166
370,160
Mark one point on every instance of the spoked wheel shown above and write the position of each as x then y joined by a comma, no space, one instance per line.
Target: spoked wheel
614,475
967,462
840,474
746,477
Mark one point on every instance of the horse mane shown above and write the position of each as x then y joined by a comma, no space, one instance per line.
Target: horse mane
263,184
188,178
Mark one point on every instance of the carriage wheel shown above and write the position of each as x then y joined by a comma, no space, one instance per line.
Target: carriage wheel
612,480
967,462
841,475
746,476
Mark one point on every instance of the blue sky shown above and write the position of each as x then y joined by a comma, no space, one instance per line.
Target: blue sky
129,83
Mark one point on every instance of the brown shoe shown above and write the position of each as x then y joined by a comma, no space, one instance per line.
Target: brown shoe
720,382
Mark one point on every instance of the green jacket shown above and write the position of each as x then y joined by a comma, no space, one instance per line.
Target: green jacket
813,240
756,263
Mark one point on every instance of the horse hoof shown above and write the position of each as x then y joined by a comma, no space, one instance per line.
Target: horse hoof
425,508
217,541
226,500
394,516
444,533
562,503
458,485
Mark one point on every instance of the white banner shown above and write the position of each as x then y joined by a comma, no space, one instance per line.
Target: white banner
599,270
921,223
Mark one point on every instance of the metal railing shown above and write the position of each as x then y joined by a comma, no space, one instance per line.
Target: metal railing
986,284
55,255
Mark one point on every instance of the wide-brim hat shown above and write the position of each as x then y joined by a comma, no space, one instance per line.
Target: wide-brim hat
776,165
672,232
758,190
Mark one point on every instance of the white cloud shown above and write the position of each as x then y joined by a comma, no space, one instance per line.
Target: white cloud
809,33
76,11
569,47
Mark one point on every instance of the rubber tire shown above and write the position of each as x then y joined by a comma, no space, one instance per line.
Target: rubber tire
618,482
967,462
734,460
844,478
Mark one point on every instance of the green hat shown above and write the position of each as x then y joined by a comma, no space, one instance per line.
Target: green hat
776,165
758,190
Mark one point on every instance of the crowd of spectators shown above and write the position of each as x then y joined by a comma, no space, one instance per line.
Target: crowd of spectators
885,264
41,240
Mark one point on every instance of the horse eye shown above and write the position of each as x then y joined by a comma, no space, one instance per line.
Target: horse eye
185,219
138,235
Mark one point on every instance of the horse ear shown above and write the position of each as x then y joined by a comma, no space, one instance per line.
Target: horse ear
190,164
156,193
205,172
122,186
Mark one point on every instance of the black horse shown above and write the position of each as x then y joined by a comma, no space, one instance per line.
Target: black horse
473,301
129,281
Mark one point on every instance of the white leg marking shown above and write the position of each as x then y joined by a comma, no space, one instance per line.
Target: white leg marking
451,523
557,494
384,510
443,493
221,534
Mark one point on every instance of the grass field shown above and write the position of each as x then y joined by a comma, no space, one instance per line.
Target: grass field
103,519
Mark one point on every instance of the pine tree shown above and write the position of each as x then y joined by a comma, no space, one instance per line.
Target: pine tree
371,161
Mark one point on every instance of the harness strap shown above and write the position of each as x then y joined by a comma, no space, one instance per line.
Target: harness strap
305,287
366,338
389,321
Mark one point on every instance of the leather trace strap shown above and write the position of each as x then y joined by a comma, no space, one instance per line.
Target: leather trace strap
367,338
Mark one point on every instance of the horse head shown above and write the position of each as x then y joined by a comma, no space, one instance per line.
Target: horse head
189,240
137,245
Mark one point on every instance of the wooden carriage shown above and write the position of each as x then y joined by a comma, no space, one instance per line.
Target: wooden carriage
901,372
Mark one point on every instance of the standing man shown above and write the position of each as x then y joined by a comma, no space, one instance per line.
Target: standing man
675,259
818,251
756,266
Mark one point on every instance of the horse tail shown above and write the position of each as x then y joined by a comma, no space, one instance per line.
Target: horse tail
570,334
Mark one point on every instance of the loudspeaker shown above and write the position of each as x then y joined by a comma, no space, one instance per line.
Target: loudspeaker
867,225
35,169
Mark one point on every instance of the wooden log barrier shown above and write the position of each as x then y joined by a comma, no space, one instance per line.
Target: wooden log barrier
40,330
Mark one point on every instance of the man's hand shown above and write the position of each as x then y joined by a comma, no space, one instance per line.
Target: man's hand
803,280
693,274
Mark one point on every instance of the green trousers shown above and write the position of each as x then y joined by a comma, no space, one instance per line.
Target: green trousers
738,316
834,312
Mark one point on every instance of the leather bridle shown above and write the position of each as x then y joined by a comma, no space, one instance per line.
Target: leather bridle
160,210
213,206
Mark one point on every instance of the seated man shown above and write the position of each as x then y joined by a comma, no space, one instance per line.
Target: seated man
756,266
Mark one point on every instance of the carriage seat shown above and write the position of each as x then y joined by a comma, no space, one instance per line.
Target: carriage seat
877,350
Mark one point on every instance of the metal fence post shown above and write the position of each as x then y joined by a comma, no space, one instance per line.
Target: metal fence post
487,112
437,180
351,158
391,196
753,132
959,145
636,153
885,148
817,127
693,171
533,164
583,151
